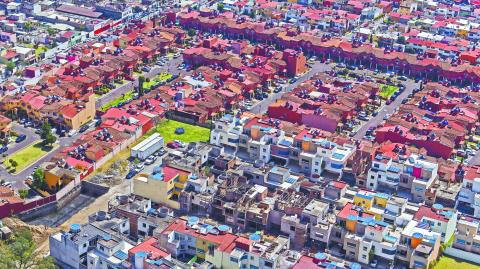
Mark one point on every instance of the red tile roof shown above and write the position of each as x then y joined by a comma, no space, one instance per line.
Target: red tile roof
427,212
149,246
169,173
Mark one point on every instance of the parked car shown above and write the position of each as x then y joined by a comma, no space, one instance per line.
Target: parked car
72,133
150,160
146,69
386,116
20,138
83,128
130,174
3,149
403,78
139,167
173,145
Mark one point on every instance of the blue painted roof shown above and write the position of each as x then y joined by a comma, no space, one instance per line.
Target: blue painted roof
255,237
285,143
223,228
120,255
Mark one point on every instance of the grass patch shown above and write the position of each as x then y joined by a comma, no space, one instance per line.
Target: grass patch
115,102
157,79
27,155
446,262
386,91
40,50
192,133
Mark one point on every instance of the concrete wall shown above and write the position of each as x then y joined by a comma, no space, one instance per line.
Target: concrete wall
463,255
92,189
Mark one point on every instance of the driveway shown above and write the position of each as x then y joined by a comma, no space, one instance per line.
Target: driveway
262,106
387,109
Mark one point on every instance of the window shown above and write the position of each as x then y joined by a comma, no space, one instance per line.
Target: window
376,165
144,225
268,264
234,260
364,257
316,163
365,249
372,177
371,184
292,228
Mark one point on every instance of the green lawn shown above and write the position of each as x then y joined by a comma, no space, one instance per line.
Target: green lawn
27,155
157,79
386,91
192,133
446,262
125,97
40,50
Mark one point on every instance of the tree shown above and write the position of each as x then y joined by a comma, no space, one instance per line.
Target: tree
141,81
23,193
39,181
10,66
191,32
13,163
51,31
401,40
45,130
21,253
49,140
220,7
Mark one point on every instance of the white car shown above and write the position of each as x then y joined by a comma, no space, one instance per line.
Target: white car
72,132
150,160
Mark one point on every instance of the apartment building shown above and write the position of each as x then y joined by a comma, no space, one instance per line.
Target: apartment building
438,219
89,247
227,131
418,245
467,237
161,185
469,194
411,173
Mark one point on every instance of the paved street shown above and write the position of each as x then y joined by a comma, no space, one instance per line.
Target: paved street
19,129
387,109
17,180
262,106
170,67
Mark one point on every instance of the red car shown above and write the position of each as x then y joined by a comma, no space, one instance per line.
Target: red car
173,145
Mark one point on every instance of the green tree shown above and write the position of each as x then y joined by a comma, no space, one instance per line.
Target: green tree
45,130
51,31
23,193
39,179
401,40
220,7
21,253
38,174
191,32
141,89
13,163
10,66
49,140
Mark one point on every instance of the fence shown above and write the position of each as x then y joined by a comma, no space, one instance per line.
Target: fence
463,255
